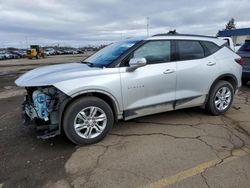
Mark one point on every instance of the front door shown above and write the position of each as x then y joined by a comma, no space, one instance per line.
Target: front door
149,89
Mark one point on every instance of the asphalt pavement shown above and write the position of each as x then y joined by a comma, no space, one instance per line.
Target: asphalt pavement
185,148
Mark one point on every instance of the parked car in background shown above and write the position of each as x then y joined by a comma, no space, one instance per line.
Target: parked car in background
15,55
59,52
8,55
66,51
11,54
80,51
70,51
129,79
22,53
50,51
2,56
244,52
237,47
74,52
229,42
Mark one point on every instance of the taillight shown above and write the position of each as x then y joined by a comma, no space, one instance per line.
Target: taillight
239,61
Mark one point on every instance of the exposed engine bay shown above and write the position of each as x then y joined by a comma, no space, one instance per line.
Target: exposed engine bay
42,107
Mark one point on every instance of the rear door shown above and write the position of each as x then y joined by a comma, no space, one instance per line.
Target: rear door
195,71
149,89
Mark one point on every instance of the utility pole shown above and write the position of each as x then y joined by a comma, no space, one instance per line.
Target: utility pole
147,26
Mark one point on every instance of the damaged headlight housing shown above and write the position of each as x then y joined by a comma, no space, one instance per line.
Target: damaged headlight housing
42,100
42,106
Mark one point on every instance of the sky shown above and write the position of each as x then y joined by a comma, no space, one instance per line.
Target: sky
93,22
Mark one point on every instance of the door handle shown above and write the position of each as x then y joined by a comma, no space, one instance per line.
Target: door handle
211,63
168,71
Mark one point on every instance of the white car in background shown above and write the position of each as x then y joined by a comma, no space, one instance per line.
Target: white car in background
50,51
237,46
229,42
2,56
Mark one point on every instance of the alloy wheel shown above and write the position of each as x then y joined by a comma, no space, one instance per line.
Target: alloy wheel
90,122
223,98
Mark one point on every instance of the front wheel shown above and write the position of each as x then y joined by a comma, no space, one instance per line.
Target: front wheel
220,98
88,120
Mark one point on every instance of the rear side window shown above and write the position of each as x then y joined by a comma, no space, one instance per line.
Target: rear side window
154,52
210,47
245,47
190,50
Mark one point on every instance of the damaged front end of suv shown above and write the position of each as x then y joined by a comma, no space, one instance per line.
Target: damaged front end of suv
45,101
43,107
53,90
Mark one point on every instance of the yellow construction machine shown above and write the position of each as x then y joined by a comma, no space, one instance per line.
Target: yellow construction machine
35,51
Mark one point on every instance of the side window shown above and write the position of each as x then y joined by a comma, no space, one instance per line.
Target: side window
210,47
154,52
190,50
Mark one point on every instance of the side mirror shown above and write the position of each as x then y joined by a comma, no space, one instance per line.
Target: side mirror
135,63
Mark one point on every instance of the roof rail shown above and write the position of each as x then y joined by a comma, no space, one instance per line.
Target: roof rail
187,35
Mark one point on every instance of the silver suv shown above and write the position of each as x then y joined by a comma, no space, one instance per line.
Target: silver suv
129,79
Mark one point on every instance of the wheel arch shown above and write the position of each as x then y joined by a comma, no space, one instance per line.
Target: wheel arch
226,77
107,97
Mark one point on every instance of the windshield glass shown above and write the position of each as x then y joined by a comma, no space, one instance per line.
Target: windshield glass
107,55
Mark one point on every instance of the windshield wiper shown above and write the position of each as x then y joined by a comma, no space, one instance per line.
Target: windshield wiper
88,63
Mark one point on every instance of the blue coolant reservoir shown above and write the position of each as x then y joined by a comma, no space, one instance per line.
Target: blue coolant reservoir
41,102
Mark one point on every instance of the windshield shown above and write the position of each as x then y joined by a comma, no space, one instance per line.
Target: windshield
107,55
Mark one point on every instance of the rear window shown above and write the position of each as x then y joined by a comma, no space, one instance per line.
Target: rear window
210,47
245,47
190,50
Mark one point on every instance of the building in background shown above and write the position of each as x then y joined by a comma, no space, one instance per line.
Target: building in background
238,35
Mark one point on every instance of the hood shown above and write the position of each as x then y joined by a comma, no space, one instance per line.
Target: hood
49,75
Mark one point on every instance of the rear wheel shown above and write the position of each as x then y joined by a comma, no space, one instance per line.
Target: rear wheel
88,120
220,98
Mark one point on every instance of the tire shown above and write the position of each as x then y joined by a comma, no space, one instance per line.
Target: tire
81,128
244,82
213,98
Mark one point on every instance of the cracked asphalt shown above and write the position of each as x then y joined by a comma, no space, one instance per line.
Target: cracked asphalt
184,148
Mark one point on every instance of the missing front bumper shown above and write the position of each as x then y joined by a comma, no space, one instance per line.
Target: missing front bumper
44,129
